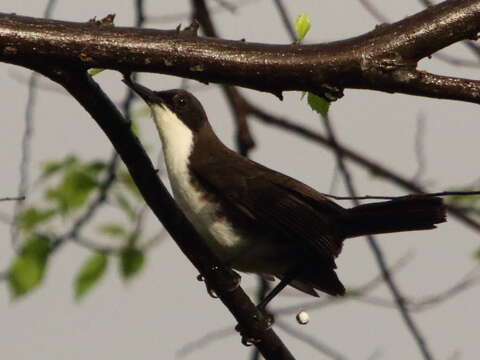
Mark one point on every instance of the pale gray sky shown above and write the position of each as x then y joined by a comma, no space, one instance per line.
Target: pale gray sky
157,314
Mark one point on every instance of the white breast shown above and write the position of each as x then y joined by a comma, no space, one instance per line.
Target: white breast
177,142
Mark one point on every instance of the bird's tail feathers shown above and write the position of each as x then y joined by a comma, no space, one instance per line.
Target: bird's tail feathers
408,213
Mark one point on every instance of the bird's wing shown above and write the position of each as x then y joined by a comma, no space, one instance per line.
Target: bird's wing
273,200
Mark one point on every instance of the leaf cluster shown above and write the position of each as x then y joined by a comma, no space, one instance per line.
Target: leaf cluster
69,188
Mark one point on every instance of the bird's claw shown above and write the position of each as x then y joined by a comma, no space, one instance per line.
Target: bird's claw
246,340
236,283
210,291
249,340
269,318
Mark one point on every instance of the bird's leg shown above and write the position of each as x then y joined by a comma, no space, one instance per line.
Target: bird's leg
286,280
274,292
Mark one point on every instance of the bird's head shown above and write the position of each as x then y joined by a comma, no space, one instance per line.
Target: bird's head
172,105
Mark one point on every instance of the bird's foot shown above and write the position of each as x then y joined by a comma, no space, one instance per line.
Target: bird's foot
246,339
236,283
269,318
210,291
267,322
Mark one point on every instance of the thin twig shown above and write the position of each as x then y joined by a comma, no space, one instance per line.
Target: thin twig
154,240
352,293
379,256
205,340
25,155
5,218
456,61
184,15
23,185
420,148
238,105
227,6
78,225
426,302
13,198
325,349
378,197
286,20
94,246
377,14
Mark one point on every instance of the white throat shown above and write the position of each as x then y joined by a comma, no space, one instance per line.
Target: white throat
177,139
177,142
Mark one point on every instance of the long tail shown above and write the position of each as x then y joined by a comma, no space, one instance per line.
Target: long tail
409,213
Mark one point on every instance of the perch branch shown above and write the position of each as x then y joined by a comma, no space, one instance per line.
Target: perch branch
384,59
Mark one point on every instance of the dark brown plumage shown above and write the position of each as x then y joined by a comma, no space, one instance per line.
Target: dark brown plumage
275,224
307,224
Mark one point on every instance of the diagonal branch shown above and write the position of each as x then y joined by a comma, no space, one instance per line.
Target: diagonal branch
286,20
383,59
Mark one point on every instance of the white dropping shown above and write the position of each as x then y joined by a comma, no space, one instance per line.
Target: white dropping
177,141
303,318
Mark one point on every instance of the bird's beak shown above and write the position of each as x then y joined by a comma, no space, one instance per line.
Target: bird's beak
146,94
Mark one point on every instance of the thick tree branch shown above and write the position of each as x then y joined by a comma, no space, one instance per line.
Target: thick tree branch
446,58
383,59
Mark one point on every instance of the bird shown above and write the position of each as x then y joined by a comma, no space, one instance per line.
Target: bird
258,220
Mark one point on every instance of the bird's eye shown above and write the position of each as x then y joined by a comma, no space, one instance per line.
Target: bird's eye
180,101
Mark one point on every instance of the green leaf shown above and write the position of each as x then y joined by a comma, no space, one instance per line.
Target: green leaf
318,104
131,262
352,292
73,191
125,205
95,71
52,167
135,129
113,230
95,167
37,246
31,217
133,237
28,269
302,26
90,274
25,274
